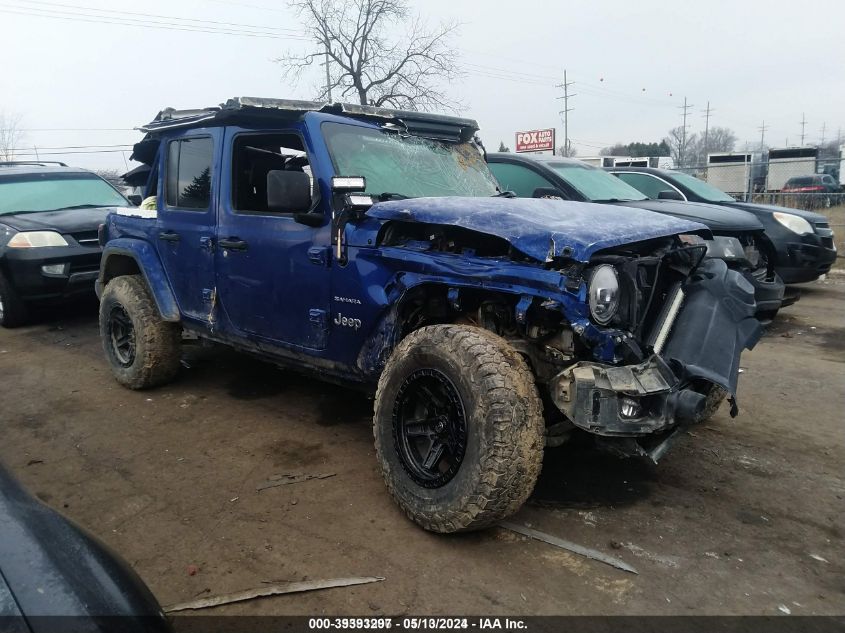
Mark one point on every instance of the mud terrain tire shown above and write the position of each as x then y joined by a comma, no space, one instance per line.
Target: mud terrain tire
12,308
485,388
142,349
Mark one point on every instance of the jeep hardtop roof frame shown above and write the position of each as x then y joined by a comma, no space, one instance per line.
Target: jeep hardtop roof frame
240,109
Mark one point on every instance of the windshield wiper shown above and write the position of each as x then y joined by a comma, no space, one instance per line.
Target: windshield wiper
504,194
389,195
615,200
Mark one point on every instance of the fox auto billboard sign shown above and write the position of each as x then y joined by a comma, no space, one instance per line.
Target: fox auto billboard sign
535,140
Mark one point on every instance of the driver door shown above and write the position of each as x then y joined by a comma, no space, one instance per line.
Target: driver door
272,272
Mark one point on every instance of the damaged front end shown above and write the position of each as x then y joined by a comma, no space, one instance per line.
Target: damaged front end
688,326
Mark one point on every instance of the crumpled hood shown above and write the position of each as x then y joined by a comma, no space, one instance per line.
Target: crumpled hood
540,228
716,217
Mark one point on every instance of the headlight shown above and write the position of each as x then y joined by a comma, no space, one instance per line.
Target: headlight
603,291
721,247
794,223
36,239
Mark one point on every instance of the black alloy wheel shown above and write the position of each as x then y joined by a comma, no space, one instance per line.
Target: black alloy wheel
429,428
122,336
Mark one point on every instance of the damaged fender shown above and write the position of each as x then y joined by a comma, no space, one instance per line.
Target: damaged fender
714,325
148,264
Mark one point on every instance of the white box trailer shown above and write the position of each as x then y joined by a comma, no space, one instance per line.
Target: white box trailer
788,162
729,171
601,161
662,162
630,161
842,165
595,161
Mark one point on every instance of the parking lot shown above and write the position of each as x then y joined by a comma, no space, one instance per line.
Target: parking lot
743,517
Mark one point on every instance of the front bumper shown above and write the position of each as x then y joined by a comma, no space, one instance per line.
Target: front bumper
805,262
625,401
714,324
81,266
768,293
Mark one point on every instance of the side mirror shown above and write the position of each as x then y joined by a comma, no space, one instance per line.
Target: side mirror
548,192
288,191
135,199
669,194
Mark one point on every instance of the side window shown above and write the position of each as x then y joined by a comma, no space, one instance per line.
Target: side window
188,173
521,180
647,185
256,155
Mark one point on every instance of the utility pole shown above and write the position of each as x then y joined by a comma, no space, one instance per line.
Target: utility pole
803,123
824,126
763,129
686,107
707,126
565,112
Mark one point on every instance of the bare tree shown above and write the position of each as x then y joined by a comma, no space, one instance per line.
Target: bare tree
368,65
719,139
10,135
112,176
681,146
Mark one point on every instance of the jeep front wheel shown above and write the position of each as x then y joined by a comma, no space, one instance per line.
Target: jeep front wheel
142,349
458,428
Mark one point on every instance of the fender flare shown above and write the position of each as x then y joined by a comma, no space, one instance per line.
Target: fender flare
149,265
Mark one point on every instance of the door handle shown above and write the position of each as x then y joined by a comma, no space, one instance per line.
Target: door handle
233,244
169,236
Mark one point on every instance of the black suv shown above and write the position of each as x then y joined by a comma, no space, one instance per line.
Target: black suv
49,216
738,237
803,241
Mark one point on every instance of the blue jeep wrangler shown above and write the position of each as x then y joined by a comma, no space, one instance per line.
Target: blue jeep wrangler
373,247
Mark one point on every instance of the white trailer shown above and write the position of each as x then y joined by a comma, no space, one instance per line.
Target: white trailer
630,161
788,162
595,161
729,171
842,165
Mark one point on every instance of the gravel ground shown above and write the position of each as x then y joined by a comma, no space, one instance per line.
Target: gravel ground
744,516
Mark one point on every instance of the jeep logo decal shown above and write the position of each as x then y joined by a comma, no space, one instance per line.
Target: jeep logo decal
347,322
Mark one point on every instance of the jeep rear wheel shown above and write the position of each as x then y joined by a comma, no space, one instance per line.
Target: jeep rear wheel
12,308
142,349
458,428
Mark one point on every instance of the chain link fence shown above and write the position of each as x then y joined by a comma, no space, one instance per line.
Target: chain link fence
789,181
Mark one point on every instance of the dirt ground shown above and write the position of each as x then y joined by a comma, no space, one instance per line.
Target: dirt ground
744,516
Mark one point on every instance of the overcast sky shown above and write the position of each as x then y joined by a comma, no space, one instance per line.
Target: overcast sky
632,63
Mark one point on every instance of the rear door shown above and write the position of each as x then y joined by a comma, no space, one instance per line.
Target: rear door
187,198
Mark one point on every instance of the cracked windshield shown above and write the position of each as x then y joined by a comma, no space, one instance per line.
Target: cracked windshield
408,166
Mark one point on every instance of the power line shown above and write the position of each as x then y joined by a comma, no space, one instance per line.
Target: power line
56,14
120,13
